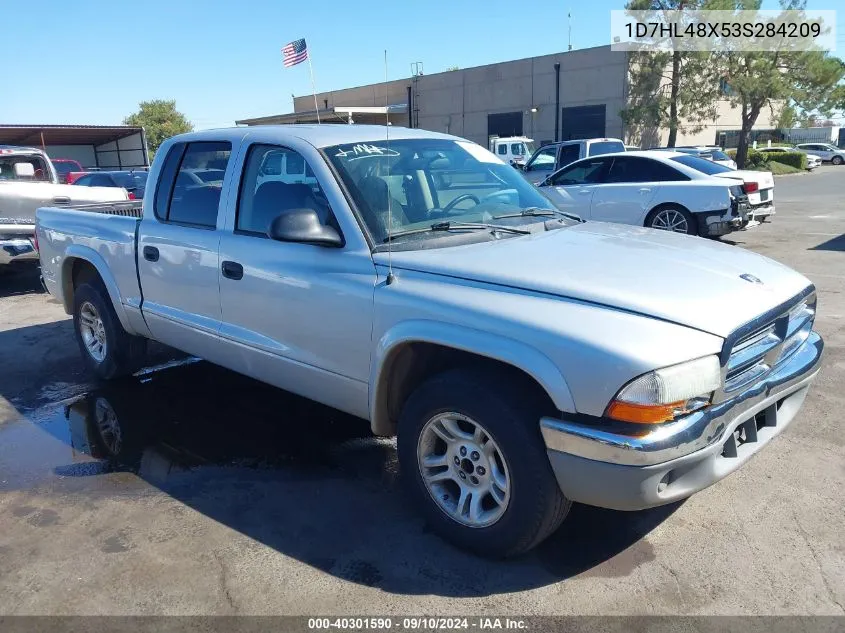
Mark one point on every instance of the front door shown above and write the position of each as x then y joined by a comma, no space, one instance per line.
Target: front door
178,250
572,188
627,191
296,315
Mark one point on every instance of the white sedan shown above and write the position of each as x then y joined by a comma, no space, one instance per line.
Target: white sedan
658,189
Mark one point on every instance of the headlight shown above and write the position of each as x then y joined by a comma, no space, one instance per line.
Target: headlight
664,394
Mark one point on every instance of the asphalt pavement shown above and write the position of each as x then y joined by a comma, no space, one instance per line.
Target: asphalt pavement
192,490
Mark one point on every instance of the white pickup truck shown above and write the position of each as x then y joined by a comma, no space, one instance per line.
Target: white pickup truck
523,358
28,181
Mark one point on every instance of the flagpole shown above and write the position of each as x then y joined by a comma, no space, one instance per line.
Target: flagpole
314,89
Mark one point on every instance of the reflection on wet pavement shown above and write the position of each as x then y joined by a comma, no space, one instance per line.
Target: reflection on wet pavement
195,414
303,479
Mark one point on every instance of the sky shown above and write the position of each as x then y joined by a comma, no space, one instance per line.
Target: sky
93,61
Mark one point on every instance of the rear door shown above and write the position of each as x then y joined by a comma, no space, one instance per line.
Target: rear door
627,190
178,250
572,188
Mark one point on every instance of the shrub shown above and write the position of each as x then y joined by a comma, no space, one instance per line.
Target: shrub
793,159
755,158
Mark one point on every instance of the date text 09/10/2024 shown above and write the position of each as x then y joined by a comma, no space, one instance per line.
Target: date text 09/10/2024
415,623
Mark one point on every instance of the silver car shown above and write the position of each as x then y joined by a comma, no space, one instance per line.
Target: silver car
828,152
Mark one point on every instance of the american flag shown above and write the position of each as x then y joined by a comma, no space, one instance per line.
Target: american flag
295,53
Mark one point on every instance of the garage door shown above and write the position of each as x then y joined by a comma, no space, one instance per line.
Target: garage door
504,124
583,122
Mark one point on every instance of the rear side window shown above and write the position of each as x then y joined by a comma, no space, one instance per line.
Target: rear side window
642,170
569,154
187,197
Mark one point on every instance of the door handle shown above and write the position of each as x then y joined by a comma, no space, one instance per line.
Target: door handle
232,270
61,200
585,192
645,190
151,253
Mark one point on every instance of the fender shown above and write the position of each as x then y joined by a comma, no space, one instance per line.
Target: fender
88,254
522,356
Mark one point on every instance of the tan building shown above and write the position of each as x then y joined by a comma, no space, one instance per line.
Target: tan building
505,99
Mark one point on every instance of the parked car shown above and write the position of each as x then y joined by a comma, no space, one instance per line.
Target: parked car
713,154
523,359
64,166
828,152
813,161
133,181
514,150
649,188
552,157
28,181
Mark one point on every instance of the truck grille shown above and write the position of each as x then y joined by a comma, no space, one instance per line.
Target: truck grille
755,354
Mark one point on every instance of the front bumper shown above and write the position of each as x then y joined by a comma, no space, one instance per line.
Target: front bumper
672,462
17,249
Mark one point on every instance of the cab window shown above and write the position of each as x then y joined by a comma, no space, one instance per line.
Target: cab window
275,180
184,196
544,160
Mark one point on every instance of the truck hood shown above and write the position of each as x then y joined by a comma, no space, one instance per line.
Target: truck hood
691,281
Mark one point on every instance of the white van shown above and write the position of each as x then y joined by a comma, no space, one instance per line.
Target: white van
513,150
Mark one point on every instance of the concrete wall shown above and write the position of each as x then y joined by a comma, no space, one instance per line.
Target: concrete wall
459,101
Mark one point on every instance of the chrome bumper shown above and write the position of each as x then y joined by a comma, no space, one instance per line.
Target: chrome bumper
611,470
17,249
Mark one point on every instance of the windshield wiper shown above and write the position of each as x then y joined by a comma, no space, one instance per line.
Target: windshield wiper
538,212
449,225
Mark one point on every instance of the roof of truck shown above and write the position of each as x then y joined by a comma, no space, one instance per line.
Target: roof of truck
320,135
18,148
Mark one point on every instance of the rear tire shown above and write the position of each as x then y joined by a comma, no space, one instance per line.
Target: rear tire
837,160
497,444
672,218
108,350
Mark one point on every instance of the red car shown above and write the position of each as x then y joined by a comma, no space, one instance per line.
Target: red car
64,166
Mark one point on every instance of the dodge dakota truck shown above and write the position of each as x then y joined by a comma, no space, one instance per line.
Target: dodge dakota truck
28,180
524,359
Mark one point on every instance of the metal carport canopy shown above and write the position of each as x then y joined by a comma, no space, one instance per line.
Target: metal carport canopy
36,135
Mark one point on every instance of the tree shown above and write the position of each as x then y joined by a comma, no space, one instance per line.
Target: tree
804,81
160,120
676,89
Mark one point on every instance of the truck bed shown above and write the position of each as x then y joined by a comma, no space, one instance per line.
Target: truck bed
103,234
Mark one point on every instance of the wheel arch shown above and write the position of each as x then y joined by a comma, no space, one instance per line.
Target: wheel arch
668,205
82,263
413,351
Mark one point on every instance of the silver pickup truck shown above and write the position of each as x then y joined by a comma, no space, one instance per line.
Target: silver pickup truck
524,359
27,181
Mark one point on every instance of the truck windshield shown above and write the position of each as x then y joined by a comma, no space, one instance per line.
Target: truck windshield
413,183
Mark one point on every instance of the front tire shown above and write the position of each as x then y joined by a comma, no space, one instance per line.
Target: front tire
108,350
837,160
672,218
475,463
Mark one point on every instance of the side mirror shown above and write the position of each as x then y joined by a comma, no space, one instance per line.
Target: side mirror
546,181
304,226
